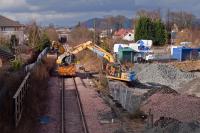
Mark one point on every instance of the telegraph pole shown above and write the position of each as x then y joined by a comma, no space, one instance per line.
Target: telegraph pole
94,26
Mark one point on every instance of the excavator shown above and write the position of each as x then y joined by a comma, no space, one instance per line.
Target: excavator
113,69
58,47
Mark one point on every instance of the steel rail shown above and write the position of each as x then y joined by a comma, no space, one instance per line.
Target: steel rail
85,127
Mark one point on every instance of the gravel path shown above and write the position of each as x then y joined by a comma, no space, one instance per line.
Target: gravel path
93,107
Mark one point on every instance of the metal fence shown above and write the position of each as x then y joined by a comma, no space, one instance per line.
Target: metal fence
39,59
18,99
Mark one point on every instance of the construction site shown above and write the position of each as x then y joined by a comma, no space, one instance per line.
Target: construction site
143,79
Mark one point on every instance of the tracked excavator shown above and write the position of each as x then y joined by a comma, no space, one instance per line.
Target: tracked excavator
57,47
113,69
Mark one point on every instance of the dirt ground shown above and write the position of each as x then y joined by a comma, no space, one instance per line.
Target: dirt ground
90,61
187,66
53,109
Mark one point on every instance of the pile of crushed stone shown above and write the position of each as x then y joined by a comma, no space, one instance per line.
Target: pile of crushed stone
164,74
170,125
191,88
181,107
160,90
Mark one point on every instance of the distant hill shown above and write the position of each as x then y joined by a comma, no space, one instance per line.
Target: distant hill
101,23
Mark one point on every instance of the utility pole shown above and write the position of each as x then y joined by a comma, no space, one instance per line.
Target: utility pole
94,26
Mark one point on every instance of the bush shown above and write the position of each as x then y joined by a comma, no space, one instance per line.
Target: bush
16,64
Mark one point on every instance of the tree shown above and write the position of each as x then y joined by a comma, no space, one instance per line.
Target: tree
144,29
119,22
43,42
182,19
51,33
160,33
81,34
153,15
150,30
34,34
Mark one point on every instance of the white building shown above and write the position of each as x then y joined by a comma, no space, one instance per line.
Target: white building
10,27
130,36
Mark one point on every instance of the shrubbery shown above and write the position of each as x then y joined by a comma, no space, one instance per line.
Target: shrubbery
16,64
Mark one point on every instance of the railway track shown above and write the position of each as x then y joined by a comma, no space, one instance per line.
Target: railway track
72,116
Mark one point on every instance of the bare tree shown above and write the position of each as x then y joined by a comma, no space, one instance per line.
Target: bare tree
154,14
80,35
110,22
51,33
181,18
119,21
34,34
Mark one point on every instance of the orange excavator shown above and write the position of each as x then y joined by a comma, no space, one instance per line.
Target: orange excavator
113,69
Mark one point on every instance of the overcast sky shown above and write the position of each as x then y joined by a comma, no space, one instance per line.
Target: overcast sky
70,12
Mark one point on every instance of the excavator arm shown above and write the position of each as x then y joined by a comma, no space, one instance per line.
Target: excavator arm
88,45
94,48
113,70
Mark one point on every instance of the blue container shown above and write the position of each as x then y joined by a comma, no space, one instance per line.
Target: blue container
183,53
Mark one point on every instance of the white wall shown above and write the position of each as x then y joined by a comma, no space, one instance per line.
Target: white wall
18,34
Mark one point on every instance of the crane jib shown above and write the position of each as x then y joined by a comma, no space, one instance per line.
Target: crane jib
98,52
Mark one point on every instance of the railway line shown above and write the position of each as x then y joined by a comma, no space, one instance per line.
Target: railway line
72,116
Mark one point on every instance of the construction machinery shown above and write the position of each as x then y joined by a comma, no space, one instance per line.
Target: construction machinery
57,47
113,69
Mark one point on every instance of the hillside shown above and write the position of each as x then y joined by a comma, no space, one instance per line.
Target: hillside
101,23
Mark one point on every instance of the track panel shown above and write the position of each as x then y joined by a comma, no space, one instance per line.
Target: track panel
73,121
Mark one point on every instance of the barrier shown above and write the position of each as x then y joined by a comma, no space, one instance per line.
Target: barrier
39,59
18,99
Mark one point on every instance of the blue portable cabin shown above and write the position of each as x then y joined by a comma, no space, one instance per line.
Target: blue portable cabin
183,53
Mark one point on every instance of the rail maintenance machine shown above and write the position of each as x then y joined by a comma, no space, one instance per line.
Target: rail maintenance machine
113,68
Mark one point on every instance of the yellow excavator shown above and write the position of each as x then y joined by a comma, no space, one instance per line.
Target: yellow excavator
57,47
113,69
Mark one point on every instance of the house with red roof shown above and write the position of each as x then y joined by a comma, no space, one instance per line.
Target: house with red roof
125,34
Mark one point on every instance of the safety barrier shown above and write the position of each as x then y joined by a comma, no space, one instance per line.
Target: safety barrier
39,59
18,99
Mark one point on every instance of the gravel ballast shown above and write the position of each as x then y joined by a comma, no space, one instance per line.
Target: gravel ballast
181,107
170,125
164,74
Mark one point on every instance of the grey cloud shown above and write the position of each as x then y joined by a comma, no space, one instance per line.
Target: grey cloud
51,11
